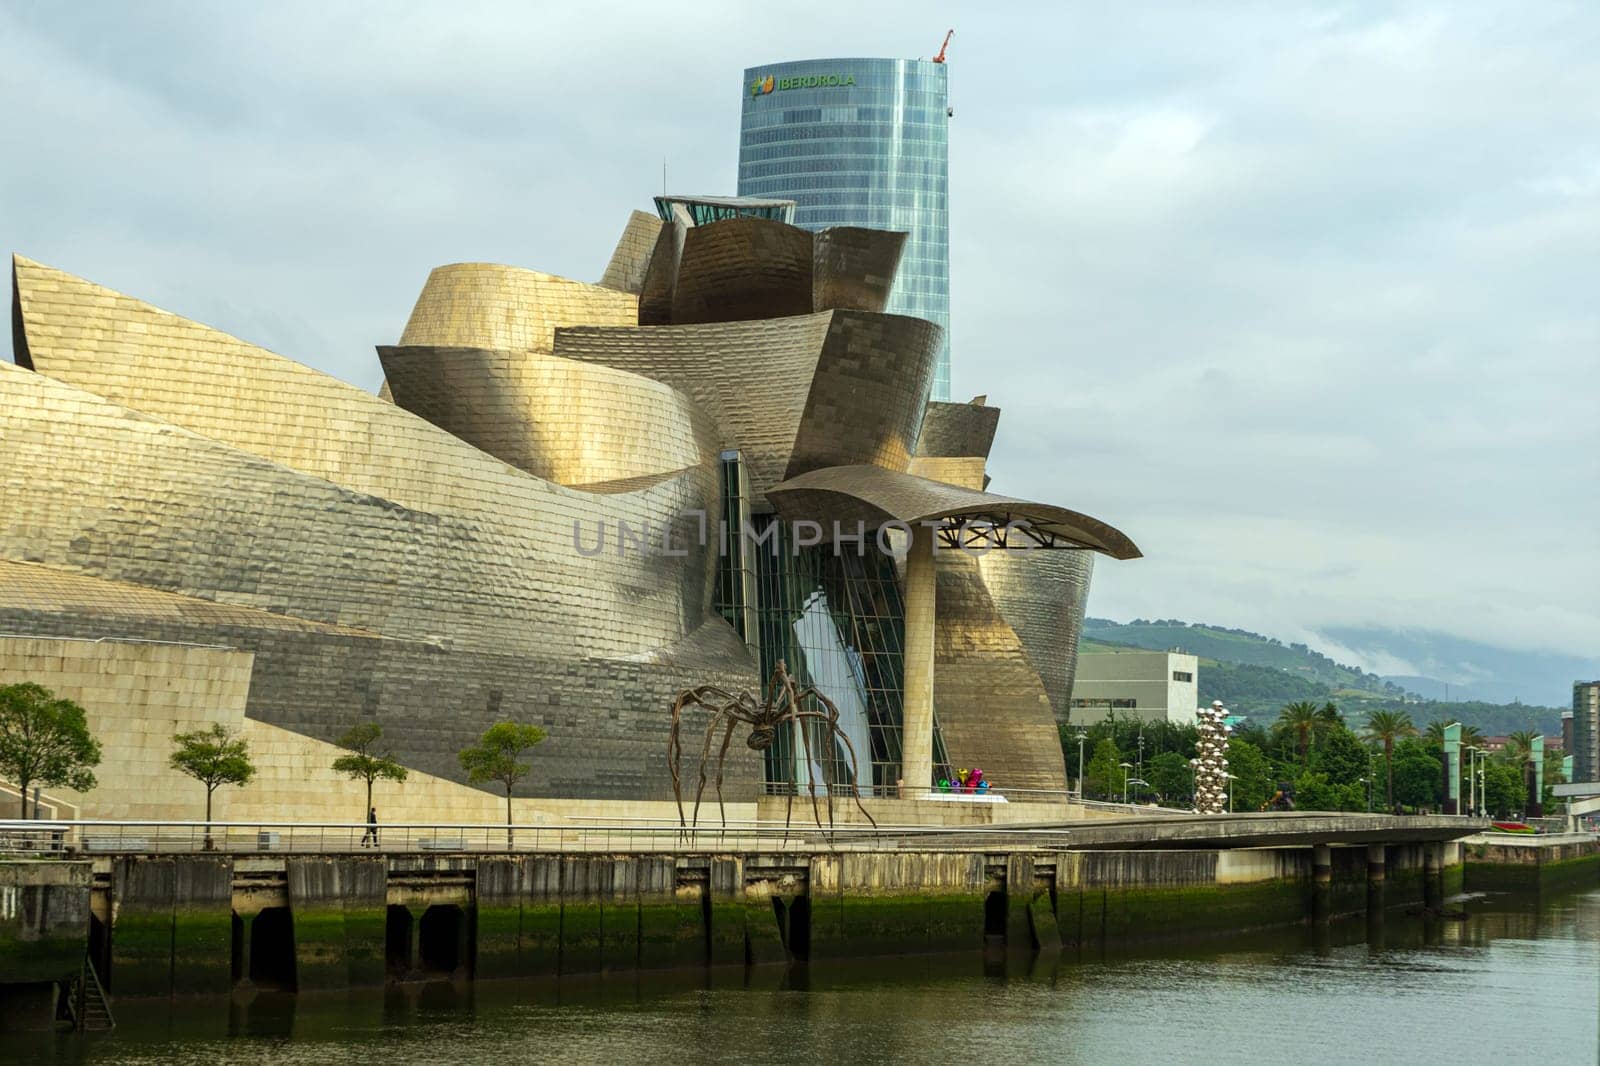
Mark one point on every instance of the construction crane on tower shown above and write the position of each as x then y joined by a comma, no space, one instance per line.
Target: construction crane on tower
940,57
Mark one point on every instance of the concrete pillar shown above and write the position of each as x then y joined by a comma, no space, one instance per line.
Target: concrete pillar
1433,875
1321,881
917,709
414,940
1377,866
246,924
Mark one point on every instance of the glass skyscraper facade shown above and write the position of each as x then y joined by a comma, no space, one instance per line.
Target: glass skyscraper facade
860,142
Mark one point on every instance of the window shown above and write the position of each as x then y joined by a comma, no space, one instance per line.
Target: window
1182,675
1117,704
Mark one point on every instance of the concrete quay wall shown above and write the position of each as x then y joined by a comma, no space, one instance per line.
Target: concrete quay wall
186,924
1531,863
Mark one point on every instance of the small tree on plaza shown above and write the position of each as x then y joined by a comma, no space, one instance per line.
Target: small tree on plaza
44,741
365,761
495,758
214,757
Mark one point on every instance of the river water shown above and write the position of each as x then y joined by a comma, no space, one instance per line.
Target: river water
1517,982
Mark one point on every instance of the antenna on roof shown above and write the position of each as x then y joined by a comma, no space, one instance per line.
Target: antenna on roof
940,57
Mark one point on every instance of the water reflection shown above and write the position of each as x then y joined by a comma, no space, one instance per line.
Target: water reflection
1516,981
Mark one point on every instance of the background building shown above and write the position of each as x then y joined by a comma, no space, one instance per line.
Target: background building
1155,686
1585,747
860,142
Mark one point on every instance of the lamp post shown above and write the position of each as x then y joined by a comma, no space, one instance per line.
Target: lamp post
1368,782
1082,733
1472,782
1140,770
1126,766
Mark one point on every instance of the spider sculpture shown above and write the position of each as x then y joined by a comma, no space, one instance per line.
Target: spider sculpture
785,706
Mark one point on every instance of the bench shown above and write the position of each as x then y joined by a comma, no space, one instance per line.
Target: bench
115,843
442,843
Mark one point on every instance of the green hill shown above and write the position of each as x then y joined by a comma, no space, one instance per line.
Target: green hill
1256,675
1238,646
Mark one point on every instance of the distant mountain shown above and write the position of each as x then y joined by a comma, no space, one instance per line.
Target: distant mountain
1256,675
1425,661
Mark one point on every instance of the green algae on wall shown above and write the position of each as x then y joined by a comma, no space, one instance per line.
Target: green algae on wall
173,926
339,911
44,920
889,903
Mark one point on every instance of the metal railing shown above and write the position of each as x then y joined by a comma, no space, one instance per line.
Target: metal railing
846,791
89,838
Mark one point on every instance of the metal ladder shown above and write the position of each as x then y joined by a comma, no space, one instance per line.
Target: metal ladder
87,1001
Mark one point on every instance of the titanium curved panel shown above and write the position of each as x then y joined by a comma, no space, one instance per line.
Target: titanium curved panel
1041,596
516,527
868,393
992,708
566,421
625,271
751,378
742,269
661,277
854,268
126,497
958,430
487,305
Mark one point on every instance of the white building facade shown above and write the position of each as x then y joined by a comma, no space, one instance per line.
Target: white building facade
1153,686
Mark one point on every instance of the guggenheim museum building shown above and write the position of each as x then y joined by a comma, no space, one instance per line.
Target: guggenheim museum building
569,501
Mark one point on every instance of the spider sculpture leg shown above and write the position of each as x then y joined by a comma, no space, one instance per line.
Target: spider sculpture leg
695,697
797,710
850,750
791,713
731,713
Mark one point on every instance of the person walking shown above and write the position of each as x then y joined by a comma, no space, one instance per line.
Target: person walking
372,828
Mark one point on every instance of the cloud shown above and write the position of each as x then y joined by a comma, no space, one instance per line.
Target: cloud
1299,295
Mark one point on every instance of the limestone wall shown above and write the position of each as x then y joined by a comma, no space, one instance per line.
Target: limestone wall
137,695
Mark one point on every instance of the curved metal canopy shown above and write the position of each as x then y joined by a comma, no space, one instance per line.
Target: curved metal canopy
963,517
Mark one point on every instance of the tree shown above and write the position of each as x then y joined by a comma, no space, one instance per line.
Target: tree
1415,771
1342,756
214,757
1503,791
365,763
1170,775
494,758
1386,727
1104,774
1519,747
1314,792
1299,719
44,741
1253,780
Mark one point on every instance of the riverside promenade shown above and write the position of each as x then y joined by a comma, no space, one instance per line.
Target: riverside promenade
165,909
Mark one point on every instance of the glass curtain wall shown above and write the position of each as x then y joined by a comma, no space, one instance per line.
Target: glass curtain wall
860,142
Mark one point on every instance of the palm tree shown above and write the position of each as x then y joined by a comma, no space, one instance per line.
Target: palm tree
1519,746
1300,718
1389,726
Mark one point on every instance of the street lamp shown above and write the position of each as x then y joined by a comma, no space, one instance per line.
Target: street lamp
1472,780
1126,766
1082,733
1368,782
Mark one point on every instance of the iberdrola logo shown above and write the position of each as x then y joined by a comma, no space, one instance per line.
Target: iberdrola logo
761,86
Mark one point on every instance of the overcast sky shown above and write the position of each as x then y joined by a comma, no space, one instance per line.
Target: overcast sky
1303,297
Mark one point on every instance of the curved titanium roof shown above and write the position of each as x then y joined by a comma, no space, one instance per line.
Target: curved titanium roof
742,269
874,495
